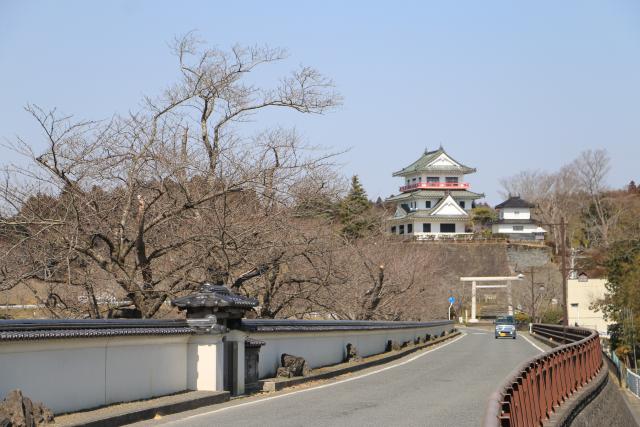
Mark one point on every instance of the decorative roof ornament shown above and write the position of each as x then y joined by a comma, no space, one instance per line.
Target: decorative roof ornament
214,304
427,163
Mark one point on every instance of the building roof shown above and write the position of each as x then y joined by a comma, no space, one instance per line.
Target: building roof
424,164
21,330
516,221
430,213
431,218
515,202
214,296
287,325
457,194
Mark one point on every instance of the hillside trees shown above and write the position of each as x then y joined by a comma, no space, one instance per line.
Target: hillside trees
623,289
576,192
167,196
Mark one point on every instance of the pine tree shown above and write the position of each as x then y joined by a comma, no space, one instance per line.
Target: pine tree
632,188
354,209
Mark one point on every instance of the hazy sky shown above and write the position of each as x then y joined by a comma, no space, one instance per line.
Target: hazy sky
503,86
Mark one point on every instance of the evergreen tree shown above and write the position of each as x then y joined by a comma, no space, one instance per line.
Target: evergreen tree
632,188
354,210
623,286
483,216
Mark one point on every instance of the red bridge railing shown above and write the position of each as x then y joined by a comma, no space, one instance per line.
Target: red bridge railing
540,385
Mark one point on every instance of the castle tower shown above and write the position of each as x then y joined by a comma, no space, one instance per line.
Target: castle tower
434,199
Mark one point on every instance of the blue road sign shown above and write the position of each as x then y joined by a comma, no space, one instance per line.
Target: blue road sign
452,300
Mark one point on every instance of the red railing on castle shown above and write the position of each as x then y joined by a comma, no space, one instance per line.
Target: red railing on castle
435,185
532,391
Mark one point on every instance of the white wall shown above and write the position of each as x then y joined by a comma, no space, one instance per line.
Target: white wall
81,373
584,294
329,348
508,229
515,213
422,177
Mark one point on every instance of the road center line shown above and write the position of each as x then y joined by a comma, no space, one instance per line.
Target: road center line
532,343
253,402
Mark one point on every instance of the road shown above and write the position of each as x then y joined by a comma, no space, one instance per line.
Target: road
446,386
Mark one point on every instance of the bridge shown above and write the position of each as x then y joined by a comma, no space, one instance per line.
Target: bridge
408,373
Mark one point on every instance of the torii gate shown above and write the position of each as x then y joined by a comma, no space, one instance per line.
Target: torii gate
473,281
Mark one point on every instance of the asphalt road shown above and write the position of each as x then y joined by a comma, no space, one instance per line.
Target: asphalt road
447,386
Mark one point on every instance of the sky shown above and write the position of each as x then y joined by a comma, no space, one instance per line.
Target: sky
502,86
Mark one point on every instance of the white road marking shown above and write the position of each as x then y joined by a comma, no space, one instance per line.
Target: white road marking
478,333
462,335
532,343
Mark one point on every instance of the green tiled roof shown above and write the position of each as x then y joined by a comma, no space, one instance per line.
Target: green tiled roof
428,213
435,193
422,164
425,215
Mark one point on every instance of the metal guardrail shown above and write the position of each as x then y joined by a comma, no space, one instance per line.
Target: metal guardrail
633,381
630,377
532,391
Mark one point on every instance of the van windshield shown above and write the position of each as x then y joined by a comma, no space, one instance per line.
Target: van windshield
504,320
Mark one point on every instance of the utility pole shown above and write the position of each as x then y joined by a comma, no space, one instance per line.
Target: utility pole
563,250
533,298
536,288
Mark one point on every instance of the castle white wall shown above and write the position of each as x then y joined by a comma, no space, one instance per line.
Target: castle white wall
329,348
422,177
515,213
82,373
508,229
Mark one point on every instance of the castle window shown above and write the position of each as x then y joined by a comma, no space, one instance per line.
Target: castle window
401,229
518,228
447,228
393,229
409,228
452,179
461,204
426,228
427,204
433,179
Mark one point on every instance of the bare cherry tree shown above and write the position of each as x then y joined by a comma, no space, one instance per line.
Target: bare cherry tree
591,169
147,204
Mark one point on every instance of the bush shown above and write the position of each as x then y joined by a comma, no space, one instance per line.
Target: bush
552,316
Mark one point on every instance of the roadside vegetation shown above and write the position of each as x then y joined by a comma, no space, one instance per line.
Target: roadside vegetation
603,232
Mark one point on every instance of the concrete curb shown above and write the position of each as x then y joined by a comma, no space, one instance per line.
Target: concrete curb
142,410
272,384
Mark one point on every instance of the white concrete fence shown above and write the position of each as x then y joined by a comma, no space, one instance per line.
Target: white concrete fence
73,365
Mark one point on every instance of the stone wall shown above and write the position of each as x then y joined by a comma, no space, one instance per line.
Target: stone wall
521,257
